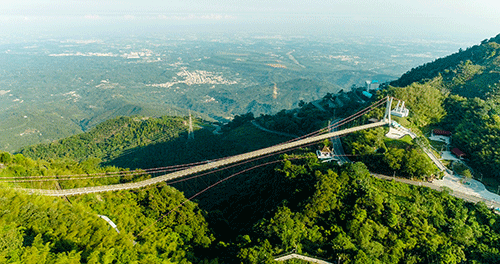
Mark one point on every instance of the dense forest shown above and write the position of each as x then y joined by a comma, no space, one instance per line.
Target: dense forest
37,229
313,208
478,55
345,214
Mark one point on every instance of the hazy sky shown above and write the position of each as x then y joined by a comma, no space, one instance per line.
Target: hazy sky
409,18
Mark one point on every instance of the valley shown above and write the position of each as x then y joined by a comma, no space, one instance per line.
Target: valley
75,84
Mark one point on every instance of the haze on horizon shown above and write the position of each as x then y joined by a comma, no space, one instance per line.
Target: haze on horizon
462,20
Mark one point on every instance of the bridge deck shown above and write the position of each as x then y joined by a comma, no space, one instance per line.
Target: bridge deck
201,168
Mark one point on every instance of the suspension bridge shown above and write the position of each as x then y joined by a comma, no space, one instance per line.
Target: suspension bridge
295,143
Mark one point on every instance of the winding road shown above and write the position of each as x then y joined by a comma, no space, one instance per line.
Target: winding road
439,187
337,148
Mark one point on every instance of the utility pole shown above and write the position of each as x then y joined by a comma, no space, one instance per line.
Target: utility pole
190,132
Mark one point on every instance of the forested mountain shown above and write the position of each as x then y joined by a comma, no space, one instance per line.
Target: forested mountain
344,214
460,93
484,57
111,138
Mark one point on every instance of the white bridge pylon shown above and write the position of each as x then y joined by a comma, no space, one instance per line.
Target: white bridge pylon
400,110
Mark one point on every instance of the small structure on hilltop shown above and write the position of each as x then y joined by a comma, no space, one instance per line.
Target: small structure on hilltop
441,136
460,154
325,154
367,94
439,132
372,85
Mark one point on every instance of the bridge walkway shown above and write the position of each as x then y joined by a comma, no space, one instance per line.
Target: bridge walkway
203,167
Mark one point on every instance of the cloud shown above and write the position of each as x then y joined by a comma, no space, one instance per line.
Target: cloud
184,17
92,17
129,17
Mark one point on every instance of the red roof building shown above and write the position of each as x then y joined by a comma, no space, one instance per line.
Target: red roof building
440,132
458,152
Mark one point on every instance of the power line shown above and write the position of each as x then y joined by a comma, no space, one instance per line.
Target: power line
209,187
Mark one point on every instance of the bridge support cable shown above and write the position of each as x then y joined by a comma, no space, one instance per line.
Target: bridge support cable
111,174
211,186
343,121
349,118
202,167
237,164
357,114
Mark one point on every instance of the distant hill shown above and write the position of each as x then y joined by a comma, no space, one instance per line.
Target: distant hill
56,120
141,142
110,139
474,72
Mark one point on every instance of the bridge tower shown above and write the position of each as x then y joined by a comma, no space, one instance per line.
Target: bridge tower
190,131
387,115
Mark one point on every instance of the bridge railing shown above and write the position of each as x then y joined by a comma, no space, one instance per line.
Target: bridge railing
203,167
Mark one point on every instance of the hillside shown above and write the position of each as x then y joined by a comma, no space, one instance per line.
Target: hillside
52,230
111,138
470,73
140,142
343,213
460,93
317,209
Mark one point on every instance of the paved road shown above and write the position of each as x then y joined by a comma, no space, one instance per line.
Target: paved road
433,158
338,150
317,105
460,195
201,168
